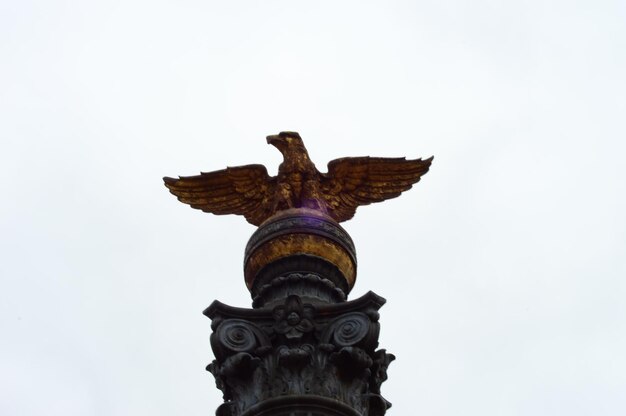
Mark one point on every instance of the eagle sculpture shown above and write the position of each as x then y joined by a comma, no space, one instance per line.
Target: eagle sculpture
251,192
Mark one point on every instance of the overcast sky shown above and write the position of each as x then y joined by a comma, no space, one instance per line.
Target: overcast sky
504,268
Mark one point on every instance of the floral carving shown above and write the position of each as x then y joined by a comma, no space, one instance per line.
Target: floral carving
300,350
293,319
379,370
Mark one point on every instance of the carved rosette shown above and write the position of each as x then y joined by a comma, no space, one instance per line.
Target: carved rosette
299,358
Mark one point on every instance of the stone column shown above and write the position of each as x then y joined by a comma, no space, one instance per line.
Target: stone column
303,349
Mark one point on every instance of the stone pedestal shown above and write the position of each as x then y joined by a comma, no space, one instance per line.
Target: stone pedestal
303,349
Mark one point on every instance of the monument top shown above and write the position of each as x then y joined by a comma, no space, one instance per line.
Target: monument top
303,349
251,192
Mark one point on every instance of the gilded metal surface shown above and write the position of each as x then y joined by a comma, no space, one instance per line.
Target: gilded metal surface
301,220
293,244
251,192
304,350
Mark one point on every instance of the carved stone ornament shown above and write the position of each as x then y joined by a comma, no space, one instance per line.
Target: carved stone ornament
317,352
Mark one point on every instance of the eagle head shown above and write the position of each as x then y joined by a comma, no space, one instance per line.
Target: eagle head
284,140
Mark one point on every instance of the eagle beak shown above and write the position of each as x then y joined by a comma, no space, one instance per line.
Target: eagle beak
273,140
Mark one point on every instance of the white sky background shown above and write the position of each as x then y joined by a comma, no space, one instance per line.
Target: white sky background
503,268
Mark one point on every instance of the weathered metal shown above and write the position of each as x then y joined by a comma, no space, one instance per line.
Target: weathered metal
315,352
290,236
251,192
303,349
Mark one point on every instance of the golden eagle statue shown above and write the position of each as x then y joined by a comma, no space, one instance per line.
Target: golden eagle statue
251,192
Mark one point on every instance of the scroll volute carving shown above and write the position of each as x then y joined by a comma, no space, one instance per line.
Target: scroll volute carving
236,336
237,345
296,349
353,338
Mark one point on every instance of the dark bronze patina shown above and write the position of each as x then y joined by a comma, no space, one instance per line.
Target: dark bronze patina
303,349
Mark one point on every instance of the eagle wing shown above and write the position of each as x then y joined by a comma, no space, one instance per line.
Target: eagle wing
242,190
354,181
